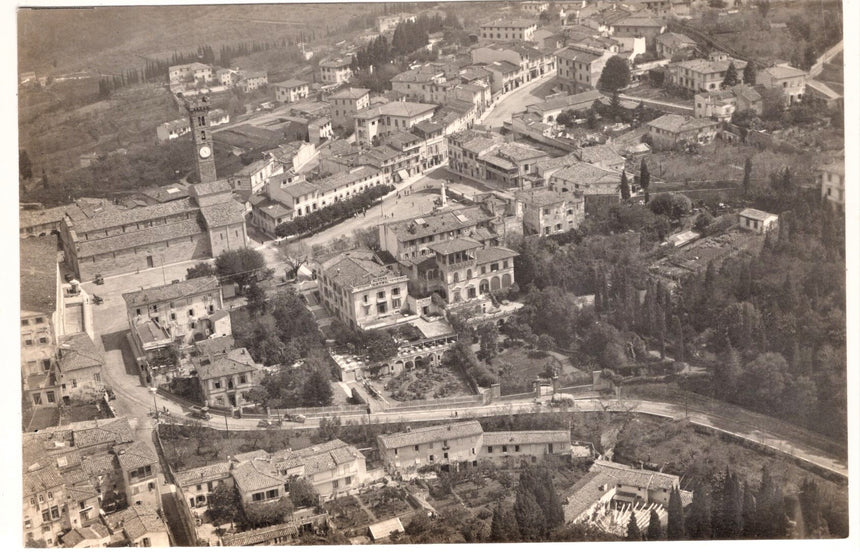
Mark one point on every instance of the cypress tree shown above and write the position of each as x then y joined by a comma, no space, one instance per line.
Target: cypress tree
644,178
655,531
633,533
747,173
749,513
699,520
503,527
675,529
529,515
731,77
749,74
625,187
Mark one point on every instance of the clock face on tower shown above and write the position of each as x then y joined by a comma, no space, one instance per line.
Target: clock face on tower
205,152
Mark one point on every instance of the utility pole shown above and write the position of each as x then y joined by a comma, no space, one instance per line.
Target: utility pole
226,426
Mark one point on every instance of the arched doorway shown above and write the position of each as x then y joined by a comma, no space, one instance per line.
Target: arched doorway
495,283
485,286
506,280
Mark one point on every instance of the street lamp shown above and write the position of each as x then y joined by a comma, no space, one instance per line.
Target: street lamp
154,391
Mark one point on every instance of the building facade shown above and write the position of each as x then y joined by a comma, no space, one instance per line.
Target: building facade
292,90
335,70
546,212
346,103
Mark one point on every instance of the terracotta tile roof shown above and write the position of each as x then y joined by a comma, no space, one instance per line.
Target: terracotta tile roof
291,83
76,536
136,521
349,93
210,188
354,268
709,67
36,217
39,275
494,253
223,214
258,536
396,109
99,464
586,173
41,480
430,434
577,55
119,217
784,72
493,438
196,476
603,153
678,123
140,238
215,345
170,292
136,455
77,351
541,197
432,225
221,367
454,245
756,214
519,152
512,23
635,477
113,432
583,100
256,475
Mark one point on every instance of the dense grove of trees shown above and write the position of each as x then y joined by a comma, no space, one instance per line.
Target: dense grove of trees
771,321
333,213
725,507
408,37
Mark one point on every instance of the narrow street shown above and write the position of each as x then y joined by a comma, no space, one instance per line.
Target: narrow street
515,102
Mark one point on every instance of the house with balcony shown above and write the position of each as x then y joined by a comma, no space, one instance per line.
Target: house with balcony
390,118
579,68
410,239
291,90
704,75
450,445
140,473
357,288
789,80
226,378
671,130
335,70
546,212
345,103
463,269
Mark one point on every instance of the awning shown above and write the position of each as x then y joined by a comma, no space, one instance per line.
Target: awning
402,174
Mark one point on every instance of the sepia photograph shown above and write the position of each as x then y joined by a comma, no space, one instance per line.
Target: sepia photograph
430,273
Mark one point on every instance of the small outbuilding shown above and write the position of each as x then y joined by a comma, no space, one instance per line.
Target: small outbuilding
380,532
757,221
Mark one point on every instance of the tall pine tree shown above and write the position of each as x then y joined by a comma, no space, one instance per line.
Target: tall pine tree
625,187
699,518
655,530
633,533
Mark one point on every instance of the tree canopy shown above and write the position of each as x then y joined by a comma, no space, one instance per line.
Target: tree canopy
615,75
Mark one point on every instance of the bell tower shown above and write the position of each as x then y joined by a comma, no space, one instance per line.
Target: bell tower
198,113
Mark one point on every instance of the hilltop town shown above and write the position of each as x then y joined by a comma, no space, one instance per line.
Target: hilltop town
458,272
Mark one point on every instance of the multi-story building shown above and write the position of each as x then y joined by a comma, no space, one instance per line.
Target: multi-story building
505,76
488,157
360,291
80,367
464,269
140,473
335,70
604,156
465,150
333,468
706,75
179,313
671,45
346,103
598,185
225,379
639,26
172,129
718,104
519,29
534,7
831,180
671,130
197,72
447,445
411,239
580,69
197,484
254,176
40,299
252,80
291,90
44,505
139,526
389,118
532,63
512,447
790,80
546,212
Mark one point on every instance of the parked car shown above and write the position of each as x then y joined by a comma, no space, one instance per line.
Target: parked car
264,423
201,413
299,418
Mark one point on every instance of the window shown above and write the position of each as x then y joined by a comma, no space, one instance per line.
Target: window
39,320
516,448
50,395
395,291
46,515
395,452
145,542
28,342
273,493
43,340
335,484
190,312
416,447
504,448
55,512
173,316
490,449
380,295
348,481
432,458
257,497
243,379
25,322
